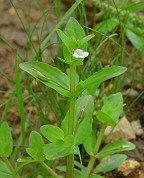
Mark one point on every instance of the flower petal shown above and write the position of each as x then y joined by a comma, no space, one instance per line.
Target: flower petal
79,53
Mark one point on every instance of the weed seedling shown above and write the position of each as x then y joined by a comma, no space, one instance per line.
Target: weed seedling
77,127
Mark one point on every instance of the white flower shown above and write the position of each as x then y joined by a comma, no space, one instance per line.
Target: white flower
79,53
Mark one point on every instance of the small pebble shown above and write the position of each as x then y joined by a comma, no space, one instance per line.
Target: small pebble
137,127
128,167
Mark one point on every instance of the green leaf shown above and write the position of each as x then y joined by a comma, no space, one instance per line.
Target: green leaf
49,76
77,152
39,176
36,145
95,176
76,62
4,171
107,26
65,61
89,143
135,7
67,55
64,39
136,40
80,88
74,29
111,110
93,82
110,163
64,124
6,141
24,161
60,149
81,174
83,119
84,41
61,168
105,119
78,173
71,38
52,133
113,105
115,147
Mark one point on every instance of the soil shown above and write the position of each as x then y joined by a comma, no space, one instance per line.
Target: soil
14,37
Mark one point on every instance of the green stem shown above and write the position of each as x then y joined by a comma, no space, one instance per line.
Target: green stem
49,170
10,167
72,99
96,149
70,158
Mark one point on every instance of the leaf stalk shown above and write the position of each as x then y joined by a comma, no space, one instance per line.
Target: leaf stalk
70,158
96,149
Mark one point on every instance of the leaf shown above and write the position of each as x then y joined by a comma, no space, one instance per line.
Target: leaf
36,145
107,26
39,176
77,152
65,61
64,39
24,161
105,119
75,33
93,82
61,168
89,143
59,149
115,147
83,119
113,105
84,41
64,124
136,40
67,55
79,165
74,29
110,163
80,88
6,140
95,176
78,173
111,110
52,133
78,62
4,171
49,76
135,7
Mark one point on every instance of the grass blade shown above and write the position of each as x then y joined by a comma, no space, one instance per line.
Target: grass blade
20,101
